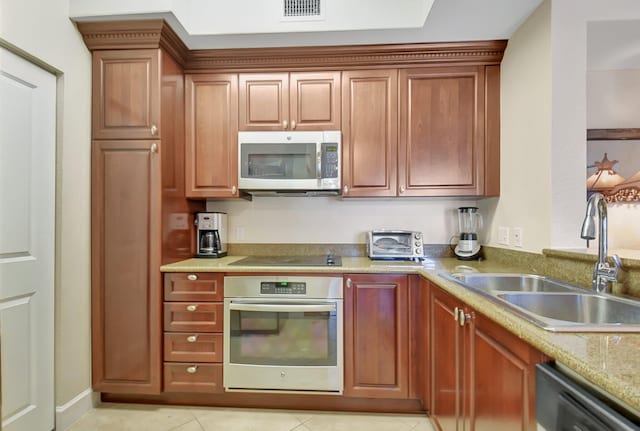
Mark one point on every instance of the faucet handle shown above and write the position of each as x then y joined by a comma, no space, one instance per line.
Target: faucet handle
609,272
616,261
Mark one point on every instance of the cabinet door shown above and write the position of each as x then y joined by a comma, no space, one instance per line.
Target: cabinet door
369,132
446,337
315,101
376,336
126,94
503,387
212,136
264,101
126,285
441,149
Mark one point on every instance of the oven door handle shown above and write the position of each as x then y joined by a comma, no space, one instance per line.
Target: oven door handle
294,308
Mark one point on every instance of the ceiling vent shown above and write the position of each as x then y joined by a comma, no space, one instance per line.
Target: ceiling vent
303,10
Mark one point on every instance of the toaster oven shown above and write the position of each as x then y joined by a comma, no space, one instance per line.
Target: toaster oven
395,244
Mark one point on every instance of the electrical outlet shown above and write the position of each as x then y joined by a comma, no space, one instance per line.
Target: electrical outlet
503,235
517,237
239,233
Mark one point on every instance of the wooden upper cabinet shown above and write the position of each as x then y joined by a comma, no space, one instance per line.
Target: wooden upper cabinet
126,94
376,336
283,101
369,132
212,135
442,128
314,101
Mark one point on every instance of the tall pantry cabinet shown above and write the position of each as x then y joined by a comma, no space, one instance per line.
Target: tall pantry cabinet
140,217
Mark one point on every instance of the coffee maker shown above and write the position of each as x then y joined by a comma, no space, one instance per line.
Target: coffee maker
469,223
211,234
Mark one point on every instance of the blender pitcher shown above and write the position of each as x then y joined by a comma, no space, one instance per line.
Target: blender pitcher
469,224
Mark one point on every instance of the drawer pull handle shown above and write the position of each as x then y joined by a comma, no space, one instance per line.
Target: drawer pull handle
192,338
192,369
192,307
192,277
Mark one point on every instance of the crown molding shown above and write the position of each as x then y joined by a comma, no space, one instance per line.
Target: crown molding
134,34
141,34
347,56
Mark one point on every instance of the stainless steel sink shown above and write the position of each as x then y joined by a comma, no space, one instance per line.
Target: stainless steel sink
552,304
491,282
577,311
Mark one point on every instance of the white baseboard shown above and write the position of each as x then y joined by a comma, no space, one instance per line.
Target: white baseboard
73,410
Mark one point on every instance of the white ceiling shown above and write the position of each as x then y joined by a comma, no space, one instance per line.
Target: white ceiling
206,24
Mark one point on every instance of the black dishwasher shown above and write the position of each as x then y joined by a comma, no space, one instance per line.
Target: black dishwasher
562,404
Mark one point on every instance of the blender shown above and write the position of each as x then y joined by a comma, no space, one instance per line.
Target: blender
469,223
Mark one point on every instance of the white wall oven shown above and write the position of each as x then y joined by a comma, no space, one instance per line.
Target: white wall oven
283,333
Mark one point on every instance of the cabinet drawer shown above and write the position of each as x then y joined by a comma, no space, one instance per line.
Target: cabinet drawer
186,377
193,286
193,316
192,347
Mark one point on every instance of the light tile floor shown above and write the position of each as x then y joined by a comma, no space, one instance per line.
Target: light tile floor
138,417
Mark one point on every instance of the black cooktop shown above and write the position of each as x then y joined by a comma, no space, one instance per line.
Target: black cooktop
324,260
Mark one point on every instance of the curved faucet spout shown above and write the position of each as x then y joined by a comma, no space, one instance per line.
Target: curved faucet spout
602,273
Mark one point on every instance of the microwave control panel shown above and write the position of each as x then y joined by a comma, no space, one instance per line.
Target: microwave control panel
329,160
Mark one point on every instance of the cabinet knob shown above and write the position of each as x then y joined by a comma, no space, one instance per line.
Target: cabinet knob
345,190
349,283
293,124
192,277
192,338
154,148
154,130
192,369
284,124
402,189
455,314
234,189
192,307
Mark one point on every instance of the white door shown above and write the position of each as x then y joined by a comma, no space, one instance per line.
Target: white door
27,209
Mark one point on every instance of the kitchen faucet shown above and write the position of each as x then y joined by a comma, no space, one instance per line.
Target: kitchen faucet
603,273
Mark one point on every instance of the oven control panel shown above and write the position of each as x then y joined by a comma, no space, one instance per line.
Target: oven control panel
283,288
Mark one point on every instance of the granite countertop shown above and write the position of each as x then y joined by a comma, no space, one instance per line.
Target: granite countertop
608,360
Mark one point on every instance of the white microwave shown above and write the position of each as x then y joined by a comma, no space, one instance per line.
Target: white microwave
289,161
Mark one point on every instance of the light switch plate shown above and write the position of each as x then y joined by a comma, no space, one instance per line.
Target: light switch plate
503,235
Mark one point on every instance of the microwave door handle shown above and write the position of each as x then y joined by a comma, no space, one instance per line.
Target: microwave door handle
294,308
319,160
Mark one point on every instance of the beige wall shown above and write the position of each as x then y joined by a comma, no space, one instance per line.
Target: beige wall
613,101
569,71
43,30
334,220
525,136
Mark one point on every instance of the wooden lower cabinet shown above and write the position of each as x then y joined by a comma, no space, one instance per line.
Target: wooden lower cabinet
125,281
376,336
482,376
189,377
193,344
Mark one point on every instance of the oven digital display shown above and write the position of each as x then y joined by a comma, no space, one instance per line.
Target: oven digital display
283,288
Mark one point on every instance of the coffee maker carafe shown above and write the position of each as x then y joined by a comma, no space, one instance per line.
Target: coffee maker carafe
469,224
211,234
